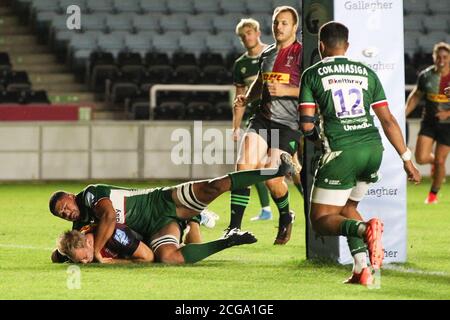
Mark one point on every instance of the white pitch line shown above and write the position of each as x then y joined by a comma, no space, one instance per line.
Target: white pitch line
411,270
18,246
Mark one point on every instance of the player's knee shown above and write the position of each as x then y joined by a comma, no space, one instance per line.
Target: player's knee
169,255
439,161
214,188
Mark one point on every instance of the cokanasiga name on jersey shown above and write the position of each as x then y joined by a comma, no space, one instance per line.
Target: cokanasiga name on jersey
276,76
118,198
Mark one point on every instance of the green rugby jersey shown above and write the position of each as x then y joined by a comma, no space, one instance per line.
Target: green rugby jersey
344,91
134,207
245,71
432,84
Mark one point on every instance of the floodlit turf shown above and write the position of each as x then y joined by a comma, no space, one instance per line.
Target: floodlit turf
258,271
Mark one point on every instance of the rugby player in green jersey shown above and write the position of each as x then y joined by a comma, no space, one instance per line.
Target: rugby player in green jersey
274,128
156,213
342,92
435,125
245,71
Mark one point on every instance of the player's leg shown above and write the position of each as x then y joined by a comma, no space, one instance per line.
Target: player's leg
441,153
263,194
167,249
424,150
192,197
252,150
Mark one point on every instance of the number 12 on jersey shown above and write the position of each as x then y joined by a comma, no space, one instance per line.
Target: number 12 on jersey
347,93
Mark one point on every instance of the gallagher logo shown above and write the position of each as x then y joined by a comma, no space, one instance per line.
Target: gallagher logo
370,52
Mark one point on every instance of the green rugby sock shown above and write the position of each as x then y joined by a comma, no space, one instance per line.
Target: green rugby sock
246,178
349,228
263,194
356,245
283,208
239,201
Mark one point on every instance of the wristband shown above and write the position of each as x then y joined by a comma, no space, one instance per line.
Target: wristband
407,155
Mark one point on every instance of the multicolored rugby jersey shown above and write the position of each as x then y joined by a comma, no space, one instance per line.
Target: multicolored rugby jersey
344,91
145,211
245,71
432,85
281,65
123,243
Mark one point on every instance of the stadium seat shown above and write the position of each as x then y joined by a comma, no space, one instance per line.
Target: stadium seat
17,81
121,90
146,23
105,6
427,42
233,6
436,23
200,22
93,22
415,6
154,6
160,74
129,58
35,97
226,22
410,42
217,44
169,110
101,73
177,6
193,43
198,110
410,74
439,7
208,58
7,97
122,6
222,111
265,22
267,38
5,63
187,74
173,22
138,43
292,3
207,6
413,22
167,43
216,75
183,58
156,58
119,22
140,110
258,7
111,43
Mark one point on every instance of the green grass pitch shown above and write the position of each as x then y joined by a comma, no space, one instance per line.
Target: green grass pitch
258,271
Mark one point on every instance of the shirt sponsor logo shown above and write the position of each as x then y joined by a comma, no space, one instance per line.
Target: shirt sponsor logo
332,182
276,76
121,237
440,98
290,59
352,127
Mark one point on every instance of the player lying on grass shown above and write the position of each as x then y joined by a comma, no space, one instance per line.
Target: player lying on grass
156,213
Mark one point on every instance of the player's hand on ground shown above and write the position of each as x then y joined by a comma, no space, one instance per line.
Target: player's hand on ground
240,101
443,114
100,259
412,172
276,89
236,134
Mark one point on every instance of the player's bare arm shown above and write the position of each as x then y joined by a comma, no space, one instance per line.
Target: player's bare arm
277,89
413,100
106,214
394,134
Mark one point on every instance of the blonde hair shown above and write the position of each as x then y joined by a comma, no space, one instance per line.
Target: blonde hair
247,22
280,9
69,241
440,46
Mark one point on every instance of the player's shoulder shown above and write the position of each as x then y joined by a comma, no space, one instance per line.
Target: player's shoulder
270,49
313,68
241,58
427,71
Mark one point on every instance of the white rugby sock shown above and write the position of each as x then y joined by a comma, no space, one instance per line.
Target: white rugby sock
359,262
